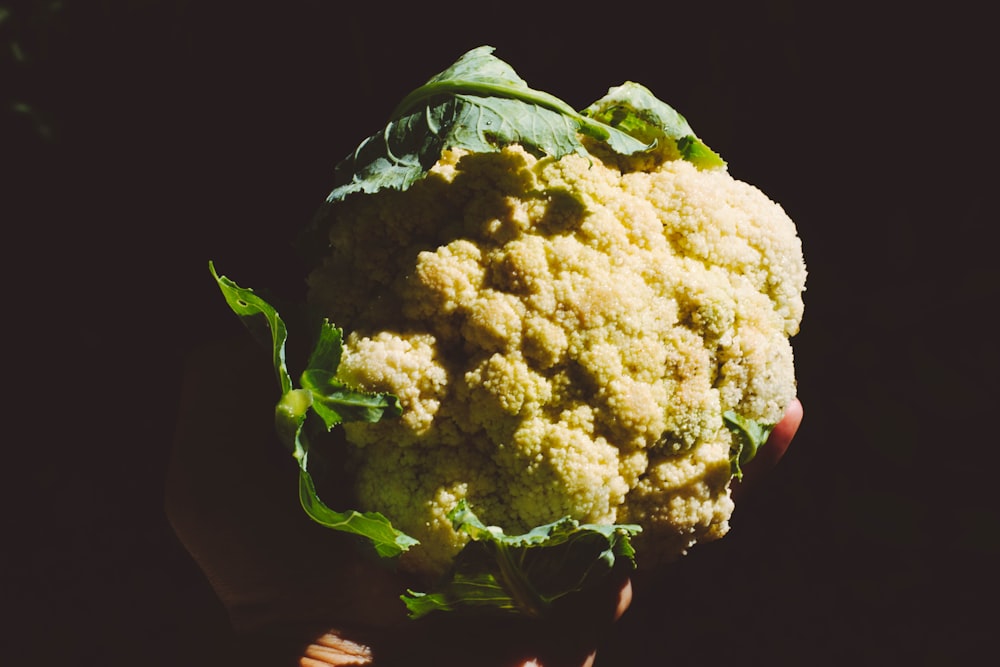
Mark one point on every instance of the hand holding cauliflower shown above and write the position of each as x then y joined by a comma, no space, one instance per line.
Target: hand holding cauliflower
547,330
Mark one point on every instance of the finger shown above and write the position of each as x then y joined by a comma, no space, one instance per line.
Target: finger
781,437
772,451
332,649
624,599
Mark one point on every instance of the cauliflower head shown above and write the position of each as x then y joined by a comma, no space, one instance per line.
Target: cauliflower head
564,336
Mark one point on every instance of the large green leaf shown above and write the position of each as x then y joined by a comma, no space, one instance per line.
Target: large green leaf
479,104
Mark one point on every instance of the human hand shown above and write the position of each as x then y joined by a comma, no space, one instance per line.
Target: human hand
298,593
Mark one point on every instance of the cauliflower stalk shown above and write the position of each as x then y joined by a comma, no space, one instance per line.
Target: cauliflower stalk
565,332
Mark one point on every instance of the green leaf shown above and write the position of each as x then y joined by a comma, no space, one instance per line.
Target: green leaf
748,436
478,71
261,319
334,401
331,401
527,573
633,109
376,528
420,604
479,104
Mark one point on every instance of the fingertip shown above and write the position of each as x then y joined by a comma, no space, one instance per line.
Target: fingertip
624,599
785,430
774,449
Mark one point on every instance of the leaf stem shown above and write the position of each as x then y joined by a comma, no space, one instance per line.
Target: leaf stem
515,582
460,86
587,125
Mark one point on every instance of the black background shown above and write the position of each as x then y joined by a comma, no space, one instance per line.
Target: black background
143,138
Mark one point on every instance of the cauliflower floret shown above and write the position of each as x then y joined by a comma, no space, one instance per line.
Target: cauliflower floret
564,337
403,365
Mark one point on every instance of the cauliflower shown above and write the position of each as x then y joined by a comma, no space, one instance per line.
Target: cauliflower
575,328
564,336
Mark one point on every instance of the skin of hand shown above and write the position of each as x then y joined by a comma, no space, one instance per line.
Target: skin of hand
300,594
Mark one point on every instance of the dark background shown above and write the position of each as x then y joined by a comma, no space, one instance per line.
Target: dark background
141,139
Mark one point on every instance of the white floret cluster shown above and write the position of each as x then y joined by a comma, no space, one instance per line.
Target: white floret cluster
564,337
